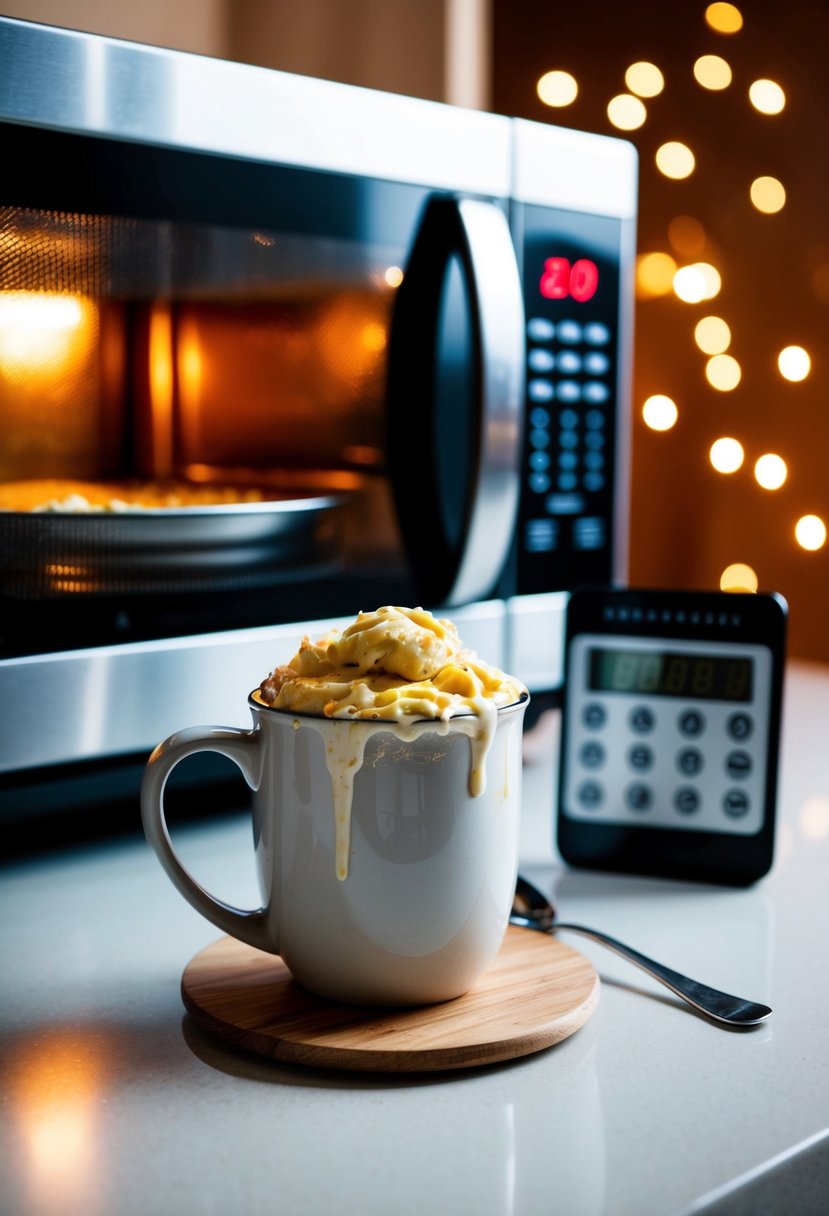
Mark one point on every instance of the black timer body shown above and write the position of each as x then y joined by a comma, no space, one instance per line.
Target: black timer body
670,732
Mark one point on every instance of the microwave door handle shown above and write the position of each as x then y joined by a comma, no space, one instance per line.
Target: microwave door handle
477,234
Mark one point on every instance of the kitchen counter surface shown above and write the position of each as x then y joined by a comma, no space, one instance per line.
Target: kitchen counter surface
115,1102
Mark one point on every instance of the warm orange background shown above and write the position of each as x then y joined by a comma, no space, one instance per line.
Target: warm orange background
688,521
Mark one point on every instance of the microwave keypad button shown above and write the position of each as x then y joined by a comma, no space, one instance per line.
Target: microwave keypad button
568,439
539,438
541,535
738,765
539,461
569,363
539,329
540,390
596,392
540,360
740,726
594,440
596,363
569,332
596,333
593,482
539,482
589,532
568,461
565,504
568,390
567,481
638,796
540,417
594,420
594,460
687,800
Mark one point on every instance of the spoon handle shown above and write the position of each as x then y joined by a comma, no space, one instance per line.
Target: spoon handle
721,1006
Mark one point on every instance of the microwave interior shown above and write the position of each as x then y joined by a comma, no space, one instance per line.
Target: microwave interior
192,390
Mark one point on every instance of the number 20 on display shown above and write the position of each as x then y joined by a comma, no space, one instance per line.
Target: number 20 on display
563,280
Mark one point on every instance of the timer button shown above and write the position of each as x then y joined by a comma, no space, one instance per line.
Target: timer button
736,803
590,794
738,765
640,757
642,719
592,755
594,715
687,800
740,726
639,797
689,761
691,723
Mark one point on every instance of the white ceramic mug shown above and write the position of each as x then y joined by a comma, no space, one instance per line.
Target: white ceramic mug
387,854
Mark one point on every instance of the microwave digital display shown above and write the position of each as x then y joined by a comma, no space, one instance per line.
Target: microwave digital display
566,280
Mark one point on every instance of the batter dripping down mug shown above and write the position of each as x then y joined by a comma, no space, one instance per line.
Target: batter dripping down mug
387,852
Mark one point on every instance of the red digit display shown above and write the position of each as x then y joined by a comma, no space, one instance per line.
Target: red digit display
584,280
561,281
555,281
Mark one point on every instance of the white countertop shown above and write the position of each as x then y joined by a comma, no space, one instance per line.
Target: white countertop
114,1102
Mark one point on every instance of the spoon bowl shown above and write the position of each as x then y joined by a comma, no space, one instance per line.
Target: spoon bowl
532,909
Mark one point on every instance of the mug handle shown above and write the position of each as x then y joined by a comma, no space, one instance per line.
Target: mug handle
244,748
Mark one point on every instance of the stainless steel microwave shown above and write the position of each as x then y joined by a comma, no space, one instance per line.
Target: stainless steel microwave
274,350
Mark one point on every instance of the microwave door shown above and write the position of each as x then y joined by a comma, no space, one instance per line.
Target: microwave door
455,395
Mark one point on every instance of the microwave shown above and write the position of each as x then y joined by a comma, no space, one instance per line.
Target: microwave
275,350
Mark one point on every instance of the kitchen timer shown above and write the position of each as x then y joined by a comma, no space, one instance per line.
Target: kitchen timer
670,732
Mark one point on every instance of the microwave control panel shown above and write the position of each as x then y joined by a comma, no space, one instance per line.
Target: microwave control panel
569,491
670,731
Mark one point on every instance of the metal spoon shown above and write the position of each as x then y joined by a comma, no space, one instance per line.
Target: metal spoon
532,910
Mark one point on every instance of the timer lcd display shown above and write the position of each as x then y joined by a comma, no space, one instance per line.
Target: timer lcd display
662,673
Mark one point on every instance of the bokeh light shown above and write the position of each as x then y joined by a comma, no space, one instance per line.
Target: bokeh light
726,455
654,274
557,88
766,96
724,18
712,72
794,363
675,160
738,577
712,335
660,412
697,282
810,532
687,235
768,195
723,373
626,112
644,79
393,276
770,471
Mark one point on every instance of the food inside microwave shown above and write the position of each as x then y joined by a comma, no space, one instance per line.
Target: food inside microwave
76,496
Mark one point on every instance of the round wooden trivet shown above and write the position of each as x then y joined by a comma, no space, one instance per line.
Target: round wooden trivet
537,992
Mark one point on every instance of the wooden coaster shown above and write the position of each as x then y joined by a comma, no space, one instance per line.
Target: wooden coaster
537,992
